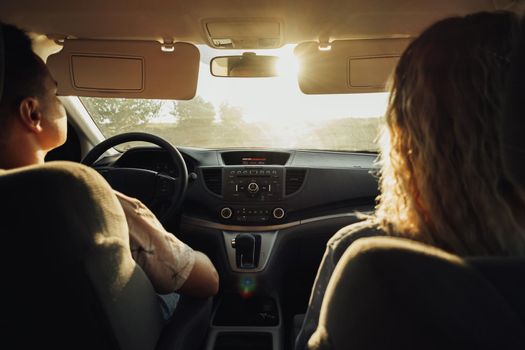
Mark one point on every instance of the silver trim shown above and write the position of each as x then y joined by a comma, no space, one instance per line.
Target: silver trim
334,216
267,242
239,228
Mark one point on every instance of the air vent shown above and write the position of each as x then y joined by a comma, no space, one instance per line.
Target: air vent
213,179
294,180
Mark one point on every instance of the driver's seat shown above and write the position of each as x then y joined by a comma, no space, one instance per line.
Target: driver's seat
68,278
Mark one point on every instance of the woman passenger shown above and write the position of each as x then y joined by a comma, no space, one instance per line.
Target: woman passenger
442,180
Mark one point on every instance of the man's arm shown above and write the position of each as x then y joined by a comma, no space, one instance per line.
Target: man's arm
203,280
170,264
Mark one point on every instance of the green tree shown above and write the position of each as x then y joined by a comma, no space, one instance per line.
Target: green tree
195,122
117,115
230,115
232,128
349,134
197,111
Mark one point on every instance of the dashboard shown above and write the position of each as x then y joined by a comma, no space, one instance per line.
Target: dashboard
263,187
264,214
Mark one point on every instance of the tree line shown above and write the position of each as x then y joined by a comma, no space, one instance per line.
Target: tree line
197,123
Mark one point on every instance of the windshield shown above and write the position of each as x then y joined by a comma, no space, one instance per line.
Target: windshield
249,113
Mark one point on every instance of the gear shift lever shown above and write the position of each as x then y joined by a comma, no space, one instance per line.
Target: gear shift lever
247,250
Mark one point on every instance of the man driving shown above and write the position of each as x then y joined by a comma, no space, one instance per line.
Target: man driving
33,122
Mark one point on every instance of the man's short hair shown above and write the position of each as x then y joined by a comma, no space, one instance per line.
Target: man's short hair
24,71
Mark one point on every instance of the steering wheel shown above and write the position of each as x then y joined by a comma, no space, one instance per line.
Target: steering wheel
163,194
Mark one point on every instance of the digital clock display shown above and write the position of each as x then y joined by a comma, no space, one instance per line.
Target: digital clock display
253,160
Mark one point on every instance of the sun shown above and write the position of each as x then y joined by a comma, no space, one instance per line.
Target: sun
288,64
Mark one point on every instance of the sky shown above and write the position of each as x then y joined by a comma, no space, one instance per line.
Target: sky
280,99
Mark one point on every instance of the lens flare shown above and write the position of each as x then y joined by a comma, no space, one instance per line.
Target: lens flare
247,286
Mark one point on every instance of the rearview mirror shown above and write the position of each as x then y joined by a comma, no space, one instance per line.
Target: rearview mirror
247,65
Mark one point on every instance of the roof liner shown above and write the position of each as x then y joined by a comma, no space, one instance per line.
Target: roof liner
182,20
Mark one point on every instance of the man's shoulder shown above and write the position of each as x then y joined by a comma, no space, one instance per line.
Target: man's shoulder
349,234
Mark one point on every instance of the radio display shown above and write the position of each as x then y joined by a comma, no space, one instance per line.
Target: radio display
256,184
253,160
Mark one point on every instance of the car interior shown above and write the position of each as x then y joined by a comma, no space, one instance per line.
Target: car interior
251,130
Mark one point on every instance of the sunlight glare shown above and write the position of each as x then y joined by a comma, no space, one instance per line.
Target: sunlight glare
288,65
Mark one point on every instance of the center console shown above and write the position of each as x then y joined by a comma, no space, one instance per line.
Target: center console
244,320
253,184
240,323
253,187
253,190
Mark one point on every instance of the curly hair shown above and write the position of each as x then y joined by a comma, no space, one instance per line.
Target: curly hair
442,179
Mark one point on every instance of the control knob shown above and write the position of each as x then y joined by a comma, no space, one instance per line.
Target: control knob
226,213
253,187
278,213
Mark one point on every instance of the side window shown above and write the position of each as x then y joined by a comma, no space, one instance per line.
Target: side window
70,150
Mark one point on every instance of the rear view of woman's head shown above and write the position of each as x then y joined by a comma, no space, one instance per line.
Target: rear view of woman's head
443,180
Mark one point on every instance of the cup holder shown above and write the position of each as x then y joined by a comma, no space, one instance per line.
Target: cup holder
257,311
243,341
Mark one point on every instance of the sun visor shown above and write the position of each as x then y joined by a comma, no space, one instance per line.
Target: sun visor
349,66
130,69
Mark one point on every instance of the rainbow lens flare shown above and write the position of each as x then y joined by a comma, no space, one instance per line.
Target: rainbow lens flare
247,286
